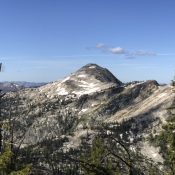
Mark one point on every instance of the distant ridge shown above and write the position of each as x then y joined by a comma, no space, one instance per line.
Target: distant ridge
18,85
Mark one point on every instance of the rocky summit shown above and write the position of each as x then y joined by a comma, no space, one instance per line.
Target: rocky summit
71,107
88,80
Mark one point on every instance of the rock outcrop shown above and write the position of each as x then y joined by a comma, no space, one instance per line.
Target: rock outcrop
90,95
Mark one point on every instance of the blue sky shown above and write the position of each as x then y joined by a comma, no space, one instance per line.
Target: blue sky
46,40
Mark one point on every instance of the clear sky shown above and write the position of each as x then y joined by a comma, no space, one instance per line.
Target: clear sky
46,40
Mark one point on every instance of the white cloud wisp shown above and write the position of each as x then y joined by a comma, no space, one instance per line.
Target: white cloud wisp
124,52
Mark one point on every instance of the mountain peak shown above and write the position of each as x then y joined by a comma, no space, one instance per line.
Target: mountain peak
99,73
89,79
91,66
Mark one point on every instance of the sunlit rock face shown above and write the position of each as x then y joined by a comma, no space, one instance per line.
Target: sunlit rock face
89,79
70,107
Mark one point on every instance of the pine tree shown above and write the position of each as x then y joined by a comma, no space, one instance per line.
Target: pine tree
94,162
6,151
166,141
111,154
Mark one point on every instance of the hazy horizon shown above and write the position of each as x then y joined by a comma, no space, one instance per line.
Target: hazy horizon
63,77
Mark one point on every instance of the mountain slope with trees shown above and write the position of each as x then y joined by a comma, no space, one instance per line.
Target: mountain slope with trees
54,125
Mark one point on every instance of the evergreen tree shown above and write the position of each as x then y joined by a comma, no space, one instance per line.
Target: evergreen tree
94,162
7,165
112,154
166,141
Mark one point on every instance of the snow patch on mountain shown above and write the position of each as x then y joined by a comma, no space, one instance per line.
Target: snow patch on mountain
62,91
84,81
92,67
92,94
67,78
82,75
